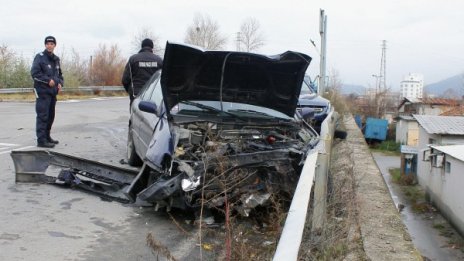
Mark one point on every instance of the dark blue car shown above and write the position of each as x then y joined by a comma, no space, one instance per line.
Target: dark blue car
310,99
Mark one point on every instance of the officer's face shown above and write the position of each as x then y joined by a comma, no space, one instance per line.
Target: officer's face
50,47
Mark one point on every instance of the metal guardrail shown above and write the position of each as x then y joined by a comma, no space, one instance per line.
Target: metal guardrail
316,166
65,89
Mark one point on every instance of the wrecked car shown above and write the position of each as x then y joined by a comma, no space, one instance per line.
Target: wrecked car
217,128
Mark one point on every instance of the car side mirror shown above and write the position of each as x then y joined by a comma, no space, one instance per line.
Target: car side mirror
149,107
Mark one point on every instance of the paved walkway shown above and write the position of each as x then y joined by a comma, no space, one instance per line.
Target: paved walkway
383,233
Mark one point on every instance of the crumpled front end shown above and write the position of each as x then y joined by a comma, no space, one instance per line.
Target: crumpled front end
242,165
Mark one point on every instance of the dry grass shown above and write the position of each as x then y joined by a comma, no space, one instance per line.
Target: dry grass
340,237
158,248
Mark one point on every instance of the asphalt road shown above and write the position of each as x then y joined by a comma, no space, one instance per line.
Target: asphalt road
45,222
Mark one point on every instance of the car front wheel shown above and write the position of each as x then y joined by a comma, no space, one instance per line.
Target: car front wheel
132,158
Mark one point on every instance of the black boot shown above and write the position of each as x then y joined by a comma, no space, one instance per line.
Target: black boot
45,144
52,140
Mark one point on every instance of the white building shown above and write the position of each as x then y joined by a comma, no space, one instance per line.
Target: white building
446,182
412,86
407,130
440,165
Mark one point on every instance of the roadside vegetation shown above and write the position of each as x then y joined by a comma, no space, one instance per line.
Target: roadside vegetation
104,67
340,237
387,147
30,97
415,195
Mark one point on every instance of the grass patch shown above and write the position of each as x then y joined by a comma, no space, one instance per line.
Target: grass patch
414,193
396,174
416,197
439,226
335,252
400,179
388,147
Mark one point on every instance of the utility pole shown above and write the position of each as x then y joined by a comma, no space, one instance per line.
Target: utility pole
91,70
382,80
238,41
323,33
383,67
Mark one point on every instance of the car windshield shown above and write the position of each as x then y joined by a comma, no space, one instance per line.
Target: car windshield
307,87
229,109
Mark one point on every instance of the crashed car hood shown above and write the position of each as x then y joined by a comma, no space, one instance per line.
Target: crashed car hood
190,73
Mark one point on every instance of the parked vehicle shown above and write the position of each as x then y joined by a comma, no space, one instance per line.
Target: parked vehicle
218,126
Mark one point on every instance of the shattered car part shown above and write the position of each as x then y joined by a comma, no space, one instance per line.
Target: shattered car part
107,181
251,201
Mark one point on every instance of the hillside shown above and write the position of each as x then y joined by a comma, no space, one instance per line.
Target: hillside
450,88
351,88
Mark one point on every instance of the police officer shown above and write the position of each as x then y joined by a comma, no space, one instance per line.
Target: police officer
48,81
140,68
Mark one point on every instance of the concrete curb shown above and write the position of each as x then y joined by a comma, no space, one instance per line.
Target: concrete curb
384,236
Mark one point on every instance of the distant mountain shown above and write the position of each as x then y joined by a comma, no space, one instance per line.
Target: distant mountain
448,88
350,88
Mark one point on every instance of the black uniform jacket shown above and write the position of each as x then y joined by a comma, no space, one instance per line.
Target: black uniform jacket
46,66
139,69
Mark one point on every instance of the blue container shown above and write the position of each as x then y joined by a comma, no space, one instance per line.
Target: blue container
357,119
376,129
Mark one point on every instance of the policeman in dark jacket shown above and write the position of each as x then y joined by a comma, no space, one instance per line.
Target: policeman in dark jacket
140,68
48,81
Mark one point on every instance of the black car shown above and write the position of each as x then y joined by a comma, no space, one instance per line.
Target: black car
217,126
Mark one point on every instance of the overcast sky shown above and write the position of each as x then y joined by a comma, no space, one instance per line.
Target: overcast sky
423,36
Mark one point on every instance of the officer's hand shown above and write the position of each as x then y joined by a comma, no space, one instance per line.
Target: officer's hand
51,83
59,87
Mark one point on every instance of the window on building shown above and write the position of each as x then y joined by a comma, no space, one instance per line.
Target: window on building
448,167
431,141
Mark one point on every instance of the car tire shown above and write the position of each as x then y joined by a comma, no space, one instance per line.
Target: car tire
132,158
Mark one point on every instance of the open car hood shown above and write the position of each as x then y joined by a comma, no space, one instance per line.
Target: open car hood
191,73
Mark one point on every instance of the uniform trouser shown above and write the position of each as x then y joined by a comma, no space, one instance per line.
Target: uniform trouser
45,109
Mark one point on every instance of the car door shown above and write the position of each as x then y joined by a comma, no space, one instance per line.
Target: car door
138,117
149,120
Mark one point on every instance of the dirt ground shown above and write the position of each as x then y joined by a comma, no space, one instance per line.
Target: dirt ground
362,221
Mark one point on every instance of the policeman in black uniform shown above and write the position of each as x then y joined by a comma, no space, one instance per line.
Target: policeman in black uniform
48,81
140,68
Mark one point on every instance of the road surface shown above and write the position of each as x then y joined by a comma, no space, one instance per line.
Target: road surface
44,222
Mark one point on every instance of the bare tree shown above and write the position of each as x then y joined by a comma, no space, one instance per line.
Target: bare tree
204,32
146,33
251,38
75,70
334,93
107,66
7,58
14,70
